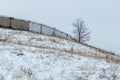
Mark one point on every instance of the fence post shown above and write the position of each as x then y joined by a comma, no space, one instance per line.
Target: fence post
66,36
29,22
70,37
41,28
11,21
54,29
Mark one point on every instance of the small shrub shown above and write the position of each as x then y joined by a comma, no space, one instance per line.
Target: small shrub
20,54
27,71
72,49
4,40
30,72
80,78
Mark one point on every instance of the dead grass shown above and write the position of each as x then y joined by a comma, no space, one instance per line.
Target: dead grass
110,56
80,78
51,36
3,40
97,49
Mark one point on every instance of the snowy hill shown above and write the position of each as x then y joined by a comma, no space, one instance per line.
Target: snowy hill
31,56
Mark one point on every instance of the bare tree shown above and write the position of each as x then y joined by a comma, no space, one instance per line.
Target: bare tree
80,31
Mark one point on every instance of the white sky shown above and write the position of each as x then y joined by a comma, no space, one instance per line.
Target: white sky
102,17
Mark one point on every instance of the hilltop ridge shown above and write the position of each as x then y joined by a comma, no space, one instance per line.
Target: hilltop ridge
31,56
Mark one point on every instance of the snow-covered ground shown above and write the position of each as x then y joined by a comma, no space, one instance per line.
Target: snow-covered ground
31,56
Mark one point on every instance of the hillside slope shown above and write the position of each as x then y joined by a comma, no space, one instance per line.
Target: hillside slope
31,56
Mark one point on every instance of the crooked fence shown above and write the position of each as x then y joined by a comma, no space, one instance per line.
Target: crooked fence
26,25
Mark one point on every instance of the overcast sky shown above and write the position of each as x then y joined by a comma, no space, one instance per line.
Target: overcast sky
102,17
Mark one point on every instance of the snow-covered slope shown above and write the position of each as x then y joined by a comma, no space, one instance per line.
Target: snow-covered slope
31,56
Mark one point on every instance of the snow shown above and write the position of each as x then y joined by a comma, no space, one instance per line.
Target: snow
31,56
